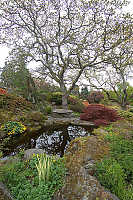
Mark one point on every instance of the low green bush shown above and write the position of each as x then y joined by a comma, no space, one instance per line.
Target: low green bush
48,109
57,98
116,172
112,176
126,114
44,96
78,108
23,181
75,104
35,116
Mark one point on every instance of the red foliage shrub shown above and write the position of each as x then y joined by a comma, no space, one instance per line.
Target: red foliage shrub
95,97
99,122
3,91
99,114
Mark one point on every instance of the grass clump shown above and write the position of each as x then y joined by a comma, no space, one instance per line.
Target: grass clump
44,167
24,182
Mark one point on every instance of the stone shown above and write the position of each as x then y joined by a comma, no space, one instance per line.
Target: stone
4,193
79,122
62,113
67,121
28,154
80,182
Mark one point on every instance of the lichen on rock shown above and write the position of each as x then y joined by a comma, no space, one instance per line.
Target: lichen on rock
80,183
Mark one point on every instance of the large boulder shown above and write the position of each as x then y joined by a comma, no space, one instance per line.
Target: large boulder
80,183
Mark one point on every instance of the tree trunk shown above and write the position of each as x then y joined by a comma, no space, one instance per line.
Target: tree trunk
64,96
65,101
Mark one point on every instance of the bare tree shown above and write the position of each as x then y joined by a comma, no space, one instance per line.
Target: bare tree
115,77
64,36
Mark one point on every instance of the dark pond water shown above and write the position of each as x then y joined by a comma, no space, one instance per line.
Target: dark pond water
54,140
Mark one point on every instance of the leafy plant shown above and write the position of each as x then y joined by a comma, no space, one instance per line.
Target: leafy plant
22,179
75,104
13,128
125,114
44,166
3,91
99,114
78,108
14,103
112,176
116,172
48,109
57,98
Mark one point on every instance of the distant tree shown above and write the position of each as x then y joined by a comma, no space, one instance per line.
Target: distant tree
15,75
84,92
65,37
75,90
45,86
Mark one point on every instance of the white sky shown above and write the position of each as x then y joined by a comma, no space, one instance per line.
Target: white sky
4,51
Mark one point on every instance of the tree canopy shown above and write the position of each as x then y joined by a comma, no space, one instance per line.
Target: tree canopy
65,37
116,74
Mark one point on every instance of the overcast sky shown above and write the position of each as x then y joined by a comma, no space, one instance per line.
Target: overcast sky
4,50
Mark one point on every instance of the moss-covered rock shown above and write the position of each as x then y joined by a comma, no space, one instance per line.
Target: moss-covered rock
35,116
80,158
122,128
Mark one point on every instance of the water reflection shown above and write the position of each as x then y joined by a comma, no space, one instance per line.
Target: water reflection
56,142
53,140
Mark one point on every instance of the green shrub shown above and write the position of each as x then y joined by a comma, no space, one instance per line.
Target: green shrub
75,104
126,114
44,96
35,116
12,102
122,150
112,176
78,108
3,102
57,98
116,171
48,109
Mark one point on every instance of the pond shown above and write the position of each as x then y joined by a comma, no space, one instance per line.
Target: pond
53,140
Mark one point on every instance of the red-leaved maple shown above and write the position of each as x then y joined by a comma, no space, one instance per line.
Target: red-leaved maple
99,114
